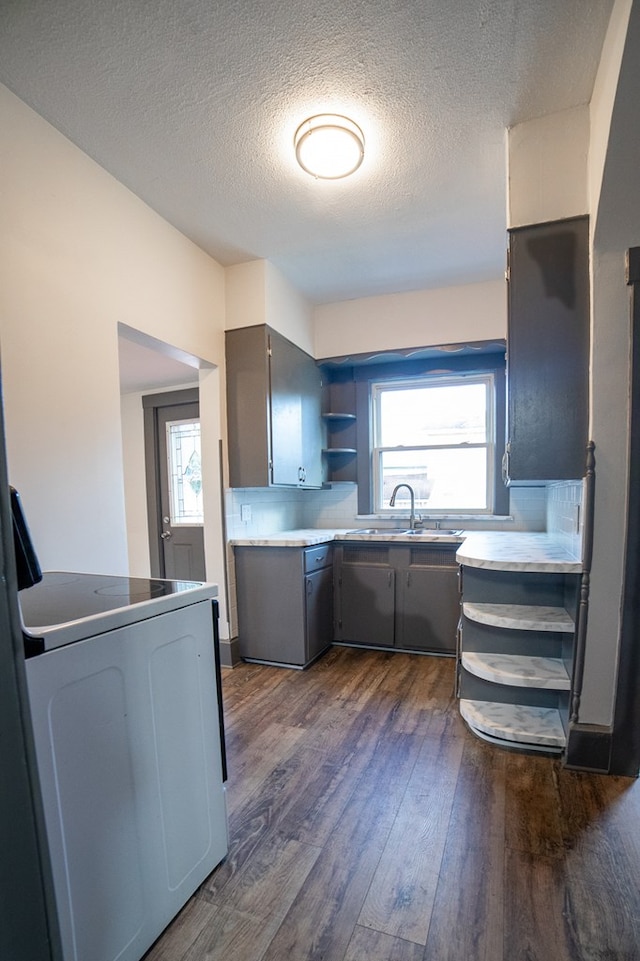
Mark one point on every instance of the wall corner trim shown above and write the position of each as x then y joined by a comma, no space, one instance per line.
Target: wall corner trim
589,748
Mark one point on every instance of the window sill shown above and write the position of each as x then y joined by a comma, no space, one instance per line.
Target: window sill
435,518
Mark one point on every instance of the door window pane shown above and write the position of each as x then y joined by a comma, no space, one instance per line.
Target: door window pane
185,473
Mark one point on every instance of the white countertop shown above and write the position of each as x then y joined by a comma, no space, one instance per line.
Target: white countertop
497,550
304,537
522,551
309,537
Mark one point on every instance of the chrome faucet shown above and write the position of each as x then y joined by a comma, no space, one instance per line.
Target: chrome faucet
392,500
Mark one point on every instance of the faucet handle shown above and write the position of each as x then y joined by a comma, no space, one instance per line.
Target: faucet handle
418,522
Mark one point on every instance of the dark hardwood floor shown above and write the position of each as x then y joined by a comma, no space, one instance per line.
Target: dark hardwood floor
367,824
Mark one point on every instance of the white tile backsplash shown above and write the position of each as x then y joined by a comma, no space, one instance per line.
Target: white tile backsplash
528,508
271,510
564,514
281,510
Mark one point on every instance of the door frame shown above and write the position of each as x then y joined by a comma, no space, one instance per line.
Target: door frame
625,747
151,405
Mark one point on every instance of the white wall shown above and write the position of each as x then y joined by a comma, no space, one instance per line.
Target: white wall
133,465
604,95
447,315
287,311
614,152
257,293
548,164
245,295
78,254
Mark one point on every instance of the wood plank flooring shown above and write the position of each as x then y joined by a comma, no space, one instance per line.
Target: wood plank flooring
368,824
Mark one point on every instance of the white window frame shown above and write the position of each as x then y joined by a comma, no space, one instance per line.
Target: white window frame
432,380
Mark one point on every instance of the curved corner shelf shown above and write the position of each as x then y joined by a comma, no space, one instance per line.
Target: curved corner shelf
339,450
518,670
522,617
514,724
337,415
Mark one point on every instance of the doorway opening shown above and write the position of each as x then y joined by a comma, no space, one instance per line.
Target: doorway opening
174,485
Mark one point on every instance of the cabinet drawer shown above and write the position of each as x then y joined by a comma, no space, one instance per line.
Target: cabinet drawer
317,557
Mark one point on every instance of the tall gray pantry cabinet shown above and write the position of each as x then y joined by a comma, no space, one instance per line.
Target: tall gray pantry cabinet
273,411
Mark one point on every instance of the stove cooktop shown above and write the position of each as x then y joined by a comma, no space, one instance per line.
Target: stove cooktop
65,606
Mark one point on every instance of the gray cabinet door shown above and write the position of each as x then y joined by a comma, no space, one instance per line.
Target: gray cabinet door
548,351
428,609
286,412
319,611
311,397
296,425
367,597
248,412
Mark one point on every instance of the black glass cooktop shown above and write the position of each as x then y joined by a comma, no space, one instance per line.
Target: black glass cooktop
61,597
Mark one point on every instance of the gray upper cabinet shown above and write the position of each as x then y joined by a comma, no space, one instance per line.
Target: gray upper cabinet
273,411
548,351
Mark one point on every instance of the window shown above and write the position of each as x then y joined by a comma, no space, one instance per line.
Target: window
185,477
436,433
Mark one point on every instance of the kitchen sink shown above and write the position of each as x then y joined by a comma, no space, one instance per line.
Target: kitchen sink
431,532
380,530
418,531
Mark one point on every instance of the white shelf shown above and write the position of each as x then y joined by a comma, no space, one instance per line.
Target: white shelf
517,670
515,723
521,617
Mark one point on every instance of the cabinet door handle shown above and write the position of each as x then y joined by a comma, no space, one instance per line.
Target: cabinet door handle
390,579
309,586
408,578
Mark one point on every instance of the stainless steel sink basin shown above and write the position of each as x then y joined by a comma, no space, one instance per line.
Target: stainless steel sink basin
380,530
419,531
434,533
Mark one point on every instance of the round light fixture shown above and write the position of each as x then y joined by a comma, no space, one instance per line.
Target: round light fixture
329,146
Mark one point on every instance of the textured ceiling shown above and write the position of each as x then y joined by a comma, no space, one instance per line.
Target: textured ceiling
193,105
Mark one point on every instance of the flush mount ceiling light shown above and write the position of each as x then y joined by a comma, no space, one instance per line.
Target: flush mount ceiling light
329,146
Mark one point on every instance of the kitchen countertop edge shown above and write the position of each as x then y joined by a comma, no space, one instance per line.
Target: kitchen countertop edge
494,550
524,551
305,537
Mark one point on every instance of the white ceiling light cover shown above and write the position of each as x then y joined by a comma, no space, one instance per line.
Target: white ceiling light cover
329,146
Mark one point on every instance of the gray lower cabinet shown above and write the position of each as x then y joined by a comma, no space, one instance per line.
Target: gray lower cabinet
285,603
366,601
516,656
397,596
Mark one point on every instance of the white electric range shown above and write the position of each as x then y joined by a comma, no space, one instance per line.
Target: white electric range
124,688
